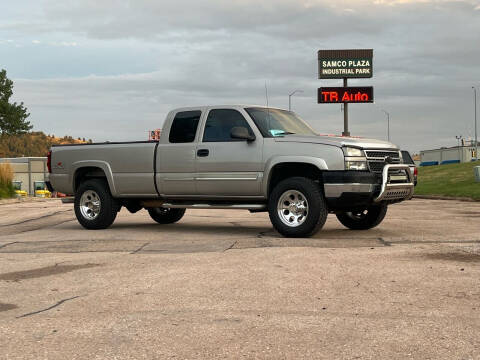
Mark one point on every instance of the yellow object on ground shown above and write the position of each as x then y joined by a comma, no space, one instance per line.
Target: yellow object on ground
21,193
43,193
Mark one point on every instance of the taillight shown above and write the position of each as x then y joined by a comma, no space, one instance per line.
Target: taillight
49,162
415,172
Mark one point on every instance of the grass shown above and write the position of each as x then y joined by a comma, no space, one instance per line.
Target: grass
6,177
456,180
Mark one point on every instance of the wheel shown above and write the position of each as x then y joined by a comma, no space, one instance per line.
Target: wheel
166,216
95,207
364,220
297,207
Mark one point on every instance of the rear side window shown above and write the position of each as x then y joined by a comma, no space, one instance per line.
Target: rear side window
407,159
220,123
184,126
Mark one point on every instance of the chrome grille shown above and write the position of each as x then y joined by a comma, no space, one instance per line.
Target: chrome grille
376,159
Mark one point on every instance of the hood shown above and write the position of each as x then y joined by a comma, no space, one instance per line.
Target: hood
338,141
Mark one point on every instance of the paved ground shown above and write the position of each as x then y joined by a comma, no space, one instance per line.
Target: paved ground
223,284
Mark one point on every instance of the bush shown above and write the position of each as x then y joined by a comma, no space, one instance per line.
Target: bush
6,177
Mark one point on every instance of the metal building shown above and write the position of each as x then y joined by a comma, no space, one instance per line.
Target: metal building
444,155
27,171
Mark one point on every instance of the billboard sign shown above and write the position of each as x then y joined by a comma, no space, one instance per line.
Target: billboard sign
342,64
340,95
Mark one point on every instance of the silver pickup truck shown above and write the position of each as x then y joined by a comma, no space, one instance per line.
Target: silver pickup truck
235,157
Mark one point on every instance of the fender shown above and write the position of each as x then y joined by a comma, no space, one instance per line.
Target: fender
94,163
275,160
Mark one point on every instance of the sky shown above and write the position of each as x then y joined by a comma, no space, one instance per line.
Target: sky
111,69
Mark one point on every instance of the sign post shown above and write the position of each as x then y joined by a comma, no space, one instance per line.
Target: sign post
344,64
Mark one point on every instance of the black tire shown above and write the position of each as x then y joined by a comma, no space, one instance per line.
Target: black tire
108,208
166,216
365,220
315,217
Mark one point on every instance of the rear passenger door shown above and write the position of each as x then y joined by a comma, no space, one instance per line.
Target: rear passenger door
225,166
176,155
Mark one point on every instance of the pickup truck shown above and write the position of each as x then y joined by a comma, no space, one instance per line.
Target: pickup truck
235,157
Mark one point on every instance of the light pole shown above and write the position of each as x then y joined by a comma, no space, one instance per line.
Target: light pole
388,124
475,107
290,98
459,137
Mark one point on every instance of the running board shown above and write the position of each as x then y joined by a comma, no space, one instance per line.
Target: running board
203,205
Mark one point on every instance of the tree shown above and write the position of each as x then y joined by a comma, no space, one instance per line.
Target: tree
13,116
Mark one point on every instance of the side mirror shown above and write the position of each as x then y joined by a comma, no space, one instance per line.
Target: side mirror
241,133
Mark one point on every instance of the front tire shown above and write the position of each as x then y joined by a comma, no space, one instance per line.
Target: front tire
95,208
364,220
166,216
297,207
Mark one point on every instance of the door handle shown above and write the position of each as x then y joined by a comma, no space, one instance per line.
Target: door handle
203,152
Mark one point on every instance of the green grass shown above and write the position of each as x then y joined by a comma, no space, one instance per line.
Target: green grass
6,191
456,180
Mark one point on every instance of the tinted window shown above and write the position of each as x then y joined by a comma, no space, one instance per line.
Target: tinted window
220,123
184,127
407,159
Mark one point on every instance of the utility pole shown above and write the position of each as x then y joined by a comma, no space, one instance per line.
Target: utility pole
290,98
388,124
459,137
345,112
475,106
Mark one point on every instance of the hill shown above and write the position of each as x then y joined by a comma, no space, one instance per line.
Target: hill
32,144
456,180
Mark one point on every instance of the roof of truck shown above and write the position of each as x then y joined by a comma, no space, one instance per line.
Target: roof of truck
234,106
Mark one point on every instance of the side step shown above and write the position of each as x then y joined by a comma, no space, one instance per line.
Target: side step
189,205
68,200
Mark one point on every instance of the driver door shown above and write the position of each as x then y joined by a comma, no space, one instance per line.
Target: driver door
226,166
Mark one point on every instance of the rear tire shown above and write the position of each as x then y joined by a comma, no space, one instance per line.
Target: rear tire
166,216
365,220
297,207
95,208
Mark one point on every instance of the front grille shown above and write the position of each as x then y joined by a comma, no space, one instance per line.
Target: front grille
376,159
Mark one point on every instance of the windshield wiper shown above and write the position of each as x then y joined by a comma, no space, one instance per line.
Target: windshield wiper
286,133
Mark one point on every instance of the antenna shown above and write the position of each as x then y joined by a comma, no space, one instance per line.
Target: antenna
266,92
268,110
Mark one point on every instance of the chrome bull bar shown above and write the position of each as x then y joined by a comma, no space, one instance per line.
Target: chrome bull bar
395,191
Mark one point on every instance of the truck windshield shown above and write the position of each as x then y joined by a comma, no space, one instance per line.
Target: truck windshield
275,122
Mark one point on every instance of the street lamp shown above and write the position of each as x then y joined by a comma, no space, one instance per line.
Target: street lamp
475,111
290,98
459,137
388,124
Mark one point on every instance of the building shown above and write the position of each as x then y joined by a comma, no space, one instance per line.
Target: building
451,155
28,171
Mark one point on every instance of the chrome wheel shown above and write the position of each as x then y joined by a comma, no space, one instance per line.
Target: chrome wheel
90,205
292,208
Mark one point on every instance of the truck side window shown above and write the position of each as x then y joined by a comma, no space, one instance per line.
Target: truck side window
184,126
220,123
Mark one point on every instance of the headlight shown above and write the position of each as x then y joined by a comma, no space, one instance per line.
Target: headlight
350,151
356,165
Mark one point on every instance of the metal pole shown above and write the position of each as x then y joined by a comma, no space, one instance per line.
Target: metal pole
345,113
458,141
476,138
290,98
388,124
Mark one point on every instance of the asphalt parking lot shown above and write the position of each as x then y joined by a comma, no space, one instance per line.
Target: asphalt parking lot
223,284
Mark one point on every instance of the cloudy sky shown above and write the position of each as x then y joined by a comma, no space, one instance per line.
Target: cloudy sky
111,70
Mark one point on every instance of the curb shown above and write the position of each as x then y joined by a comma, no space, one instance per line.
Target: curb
441,197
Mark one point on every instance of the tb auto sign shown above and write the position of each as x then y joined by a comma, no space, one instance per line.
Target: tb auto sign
341,64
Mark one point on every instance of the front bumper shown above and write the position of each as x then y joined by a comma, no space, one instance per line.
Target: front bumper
347,190
395,191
